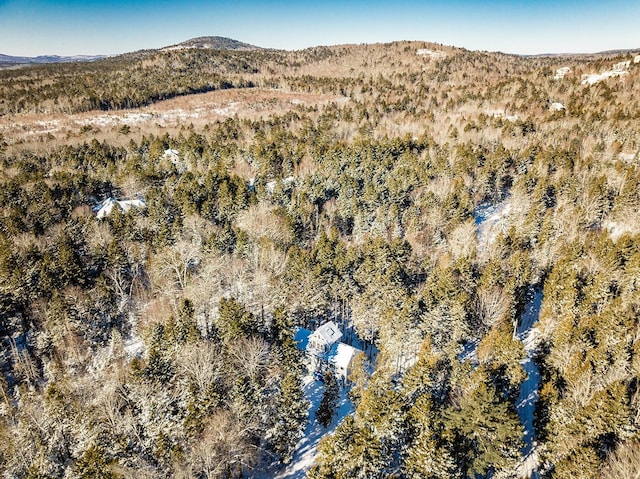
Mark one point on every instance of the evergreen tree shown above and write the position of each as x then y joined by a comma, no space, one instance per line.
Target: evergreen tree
291,417
93,465
429,456
235,321
327,408
485,430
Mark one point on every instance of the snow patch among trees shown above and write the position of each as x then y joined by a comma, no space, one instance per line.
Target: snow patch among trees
490,220
307,447
619,69
561,73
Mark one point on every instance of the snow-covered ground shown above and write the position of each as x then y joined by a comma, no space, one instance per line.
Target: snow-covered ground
561,73
501,114
470,351
618,228
134,346
490,220
619,69
528,397
307,447
425,52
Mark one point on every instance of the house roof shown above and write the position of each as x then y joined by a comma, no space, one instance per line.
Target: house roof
106,207
301,338
328,332
341,355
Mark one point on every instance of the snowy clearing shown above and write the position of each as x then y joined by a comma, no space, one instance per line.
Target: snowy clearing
619,69
307,447
556,106
561,73
133,346
490,220
501,114
617,229
425,52
627,156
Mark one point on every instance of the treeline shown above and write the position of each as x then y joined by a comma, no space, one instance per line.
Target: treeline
127,81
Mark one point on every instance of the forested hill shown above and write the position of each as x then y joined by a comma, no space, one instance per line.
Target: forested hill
466,218
214,43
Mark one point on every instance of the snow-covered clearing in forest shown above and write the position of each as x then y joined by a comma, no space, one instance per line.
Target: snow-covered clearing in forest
425,52
528,397
619,69
133,346
307,447
561,73
470,352
489,220
617,228
501,114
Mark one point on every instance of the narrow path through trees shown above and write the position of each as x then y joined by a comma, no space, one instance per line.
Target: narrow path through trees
528,397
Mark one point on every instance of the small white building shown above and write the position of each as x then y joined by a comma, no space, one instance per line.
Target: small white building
324,350
340,359
105,208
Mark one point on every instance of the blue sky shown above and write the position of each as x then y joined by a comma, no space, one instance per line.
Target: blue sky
70,27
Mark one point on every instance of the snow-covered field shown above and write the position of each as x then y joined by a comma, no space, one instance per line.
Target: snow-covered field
307,447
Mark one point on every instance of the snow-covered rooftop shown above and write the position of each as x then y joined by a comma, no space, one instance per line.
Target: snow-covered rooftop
329,333
341,355
106,207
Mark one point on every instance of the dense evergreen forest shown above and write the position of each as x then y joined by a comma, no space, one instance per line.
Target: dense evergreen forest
158,342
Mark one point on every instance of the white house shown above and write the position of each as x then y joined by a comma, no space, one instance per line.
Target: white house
324,350
340,359
321,340
106,207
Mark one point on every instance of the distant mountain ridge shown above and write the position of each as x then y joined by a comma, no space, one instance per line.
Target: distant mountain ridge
208,43
8,59
212,43
586,56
